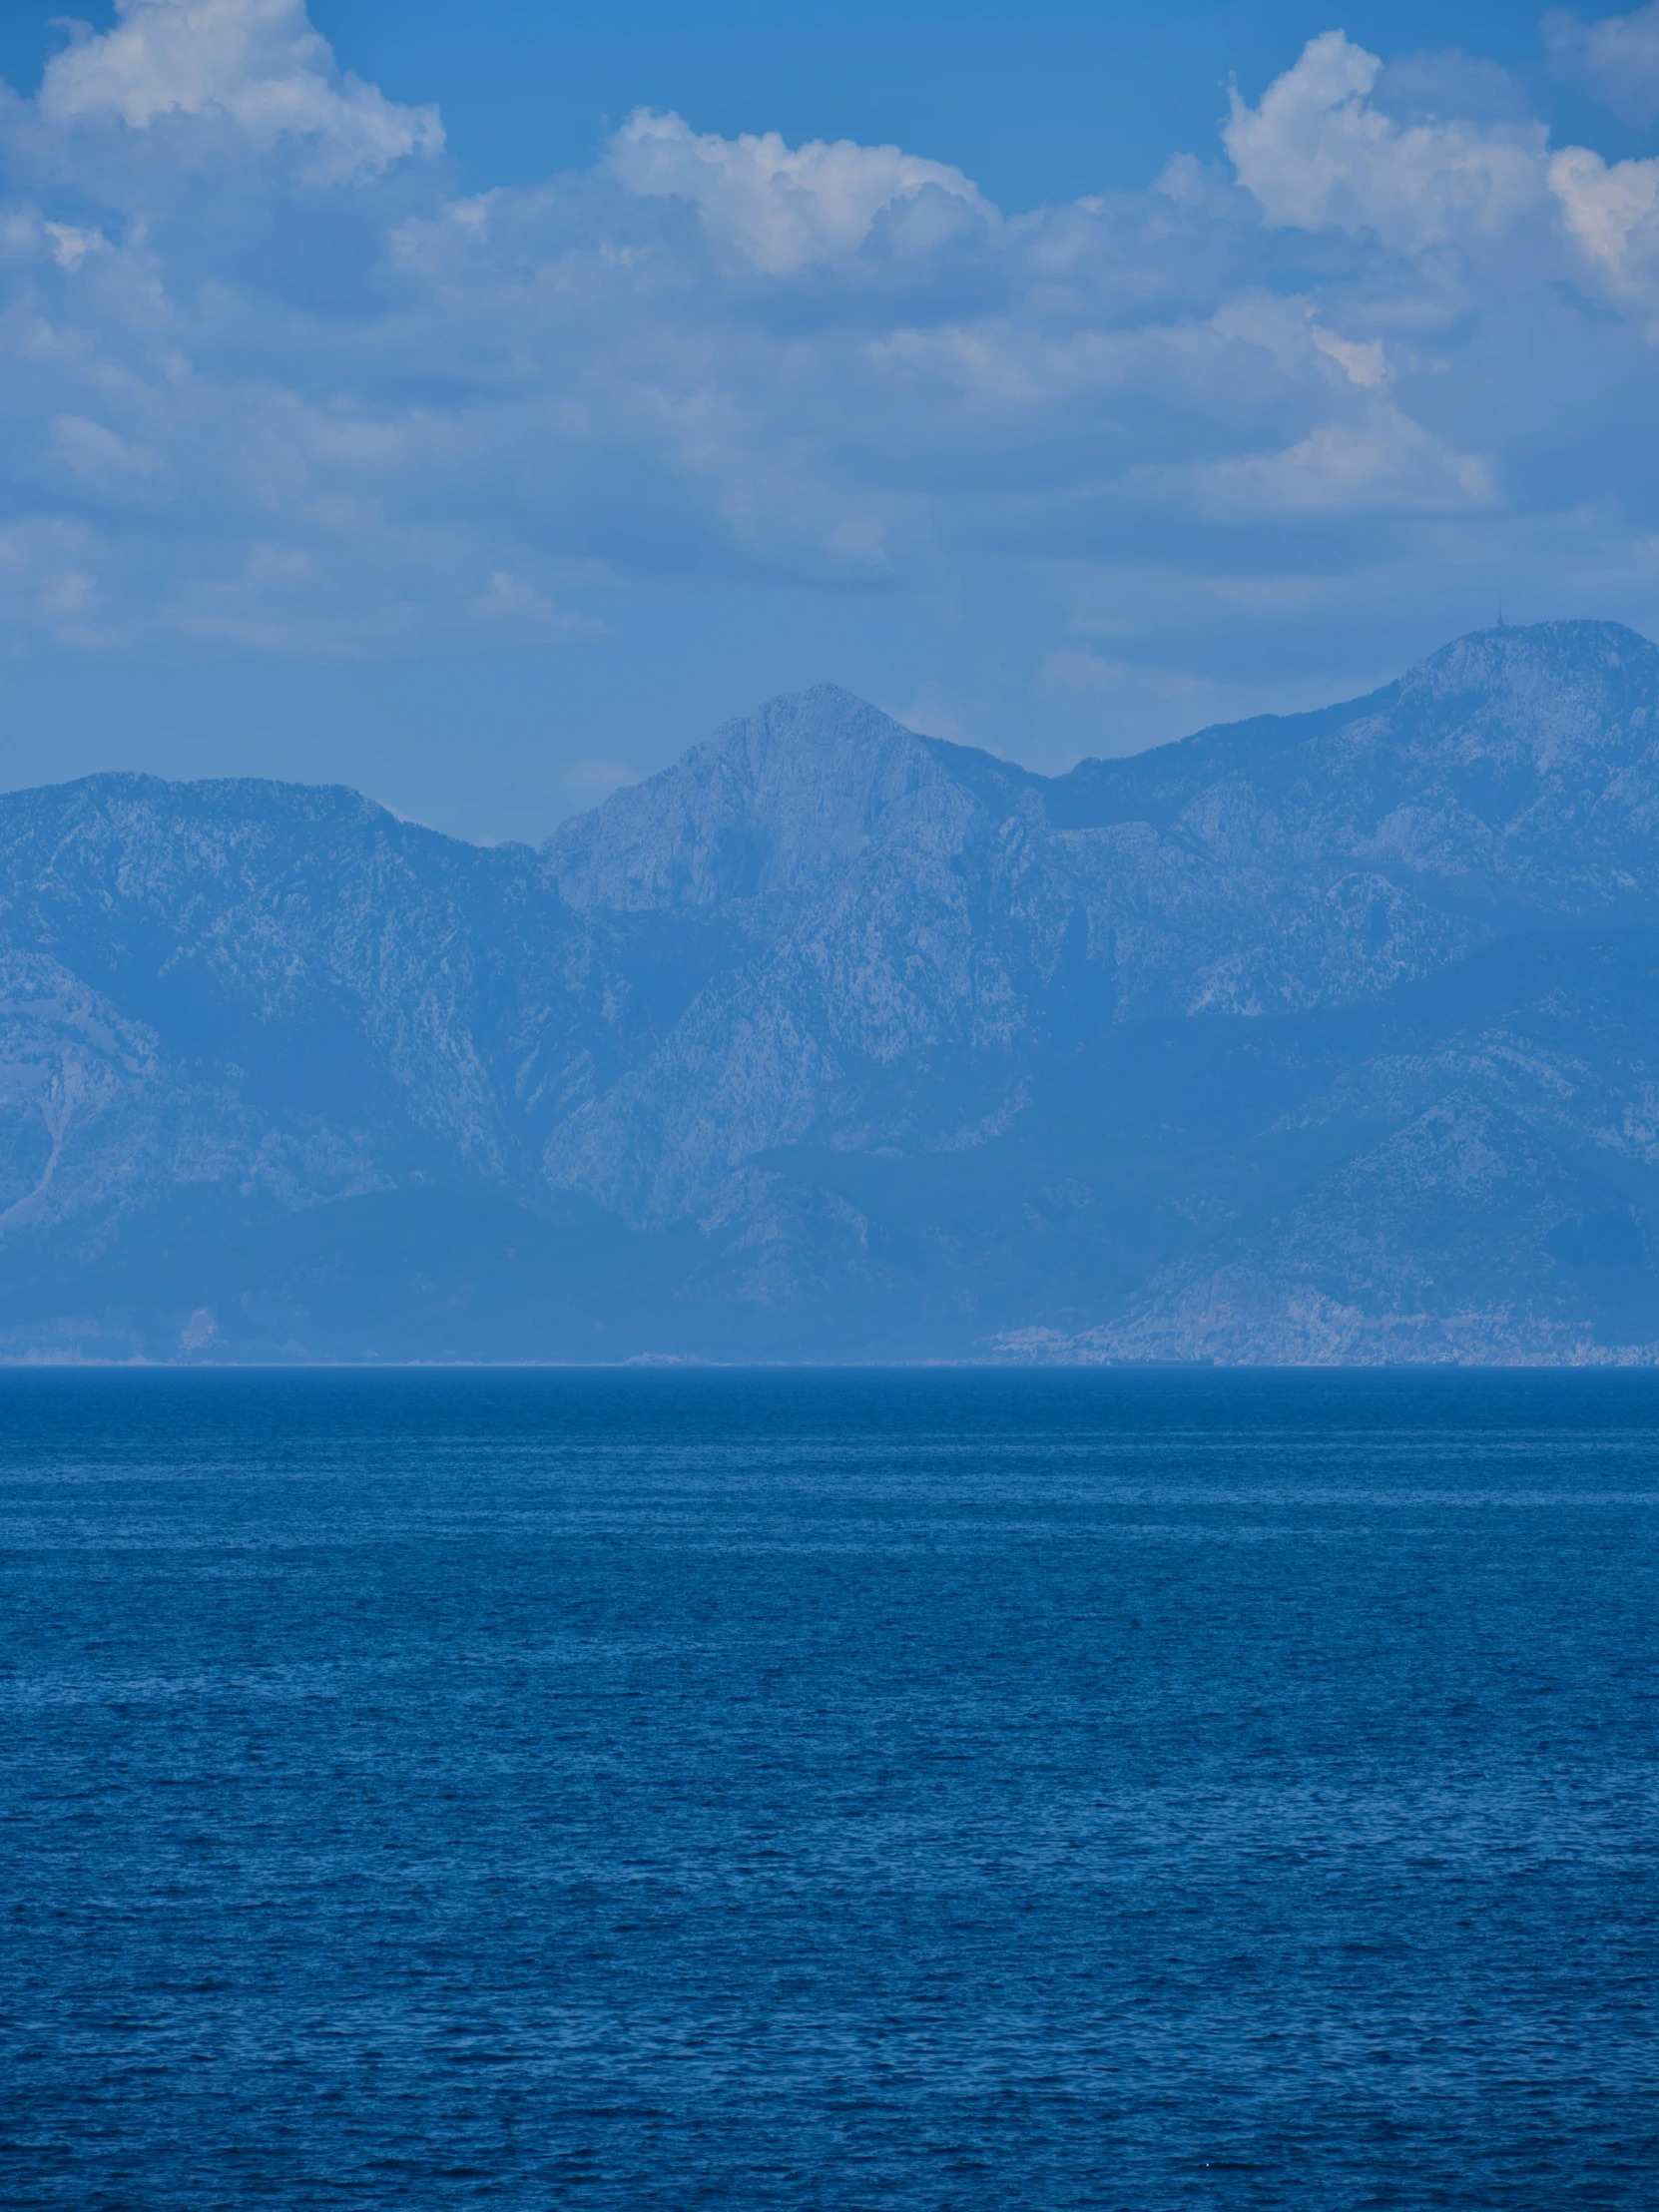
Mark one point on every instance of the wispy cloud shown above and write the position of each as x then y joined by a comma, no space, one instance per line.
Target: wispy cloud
1615,59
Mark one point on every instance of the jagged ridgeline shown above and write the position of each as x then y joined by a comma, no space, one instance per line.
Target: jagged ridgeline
1328,1036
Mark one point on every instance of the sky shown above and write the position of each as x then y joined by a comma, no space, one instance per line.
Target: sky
480,406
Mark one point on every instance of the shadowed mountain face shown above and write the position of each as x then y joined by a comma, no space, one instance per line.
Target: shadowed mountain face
1326,1036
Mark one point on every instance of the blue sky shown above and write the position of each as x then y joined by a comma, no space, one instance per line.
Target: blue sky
477,404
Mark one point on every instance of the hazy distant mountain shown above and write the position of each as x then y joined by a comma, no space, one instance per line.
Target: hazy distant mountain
1324,1037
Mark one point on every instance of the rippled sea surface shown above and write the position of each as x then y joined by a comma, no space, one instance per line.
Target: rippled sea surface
914,1790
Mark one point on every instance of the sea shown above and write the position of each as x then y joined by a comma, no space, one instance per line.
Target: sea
661,1788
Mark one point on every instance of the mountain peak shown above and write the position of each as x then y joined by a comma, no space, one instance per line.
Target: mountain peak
1528,700
772,800
1525,654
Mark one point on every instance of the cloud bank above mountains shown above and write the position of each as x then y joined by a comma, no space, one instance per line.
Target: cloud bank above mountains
271,384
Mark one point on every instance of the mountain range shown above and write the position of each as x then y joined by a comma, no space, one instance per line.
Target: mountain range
1320,1037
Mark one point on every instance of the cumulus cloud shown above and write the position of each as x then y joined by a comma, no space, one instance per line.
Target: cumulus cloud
1616,59
782,208
1614,211
1321,151
259,63
269,383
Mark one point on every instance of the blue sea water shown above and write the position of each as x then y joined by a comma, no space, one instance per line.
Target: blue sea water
821,1789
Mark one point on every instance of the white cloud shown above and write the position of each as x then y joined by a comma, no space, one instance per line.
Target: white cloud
1613,211
93,452
257,62
1320,152
48,587
1616,59
1384,464
779,207
1289,330
1364,361
71,245
1407,345
531,612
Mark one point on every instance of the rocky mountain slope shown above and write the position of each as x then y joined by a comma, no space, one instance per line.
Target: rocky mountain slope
1327,1036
